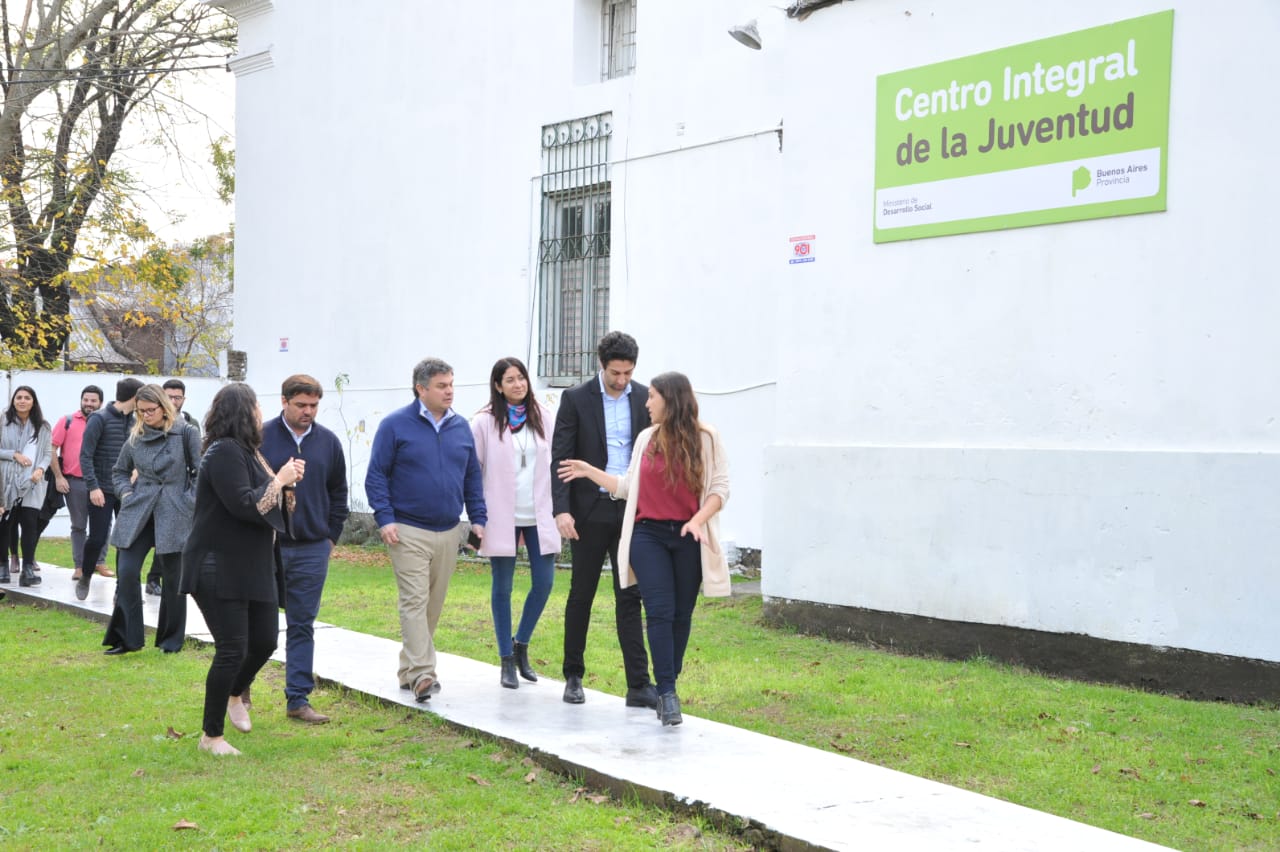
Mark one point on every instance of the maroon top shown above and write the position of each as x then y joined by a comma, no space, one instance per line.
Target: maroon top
659,500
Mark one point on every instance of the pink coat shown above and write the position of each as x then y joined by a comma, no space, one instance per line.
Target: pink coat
497,461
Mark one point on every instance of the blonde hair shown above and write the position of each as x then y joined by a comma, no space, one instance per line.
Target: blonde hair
155,394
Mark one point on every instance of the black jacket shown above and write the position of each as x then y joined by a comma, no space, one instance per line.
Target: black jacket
104,436
580,434
231,527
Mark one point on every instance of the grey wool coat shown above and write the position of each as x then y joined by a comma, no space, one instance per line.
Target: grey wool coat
160,492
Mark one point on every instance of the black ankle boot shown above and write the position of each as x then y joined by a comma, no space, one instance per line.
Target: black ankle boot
28,576
669,709
522,662
509,673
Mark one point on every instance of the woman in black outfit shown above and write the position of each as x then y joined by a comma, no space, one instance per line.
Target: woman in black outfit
227,564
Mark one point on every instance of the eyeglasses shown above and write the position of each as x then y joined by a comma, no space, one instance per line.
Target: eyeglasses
175,397
147,412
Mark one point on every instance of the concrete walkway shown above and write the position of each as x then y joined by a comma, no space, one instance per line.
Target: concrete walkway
799,797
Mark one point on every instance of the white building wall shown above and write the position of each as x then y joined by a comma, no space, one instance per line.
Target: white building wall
388,202
1068,428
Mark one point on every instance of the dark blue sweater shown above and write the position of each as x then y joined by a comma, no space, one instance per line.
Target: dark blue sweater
421,478
321,508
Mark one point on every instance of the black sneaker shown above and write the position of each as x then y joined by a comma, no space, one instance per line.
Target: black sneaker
153,587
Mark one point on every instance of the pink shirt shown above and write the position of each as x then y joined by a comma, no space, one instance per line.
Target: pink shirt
68,442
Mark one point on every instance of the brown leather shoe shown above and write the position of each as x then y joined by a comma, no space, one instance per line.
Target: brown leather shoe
104,571
307,713
426,687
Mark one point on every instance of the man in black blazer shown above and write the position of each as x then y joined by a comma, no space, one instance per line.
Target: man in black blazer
598,422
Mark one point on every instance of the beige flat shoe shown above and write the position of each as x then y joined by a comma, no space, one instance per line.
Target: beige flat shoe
217,746
239,715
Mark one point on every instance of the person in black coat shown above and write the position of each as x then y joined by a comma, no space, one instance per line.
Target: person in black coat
597,422
228,564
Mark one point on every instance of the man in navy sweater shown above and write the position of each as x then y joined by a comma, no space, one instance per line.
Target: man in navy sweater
319,513
423,468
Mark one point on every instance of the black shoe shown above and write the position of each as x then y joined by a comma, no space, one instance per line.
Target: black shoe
573,690
508,678
644,696
28,576
522,663
4,573
153,587
116,650
669,711
82,585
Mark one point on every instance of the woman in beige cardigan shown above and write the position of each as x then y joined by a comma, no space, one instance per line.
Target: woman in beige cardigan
677,483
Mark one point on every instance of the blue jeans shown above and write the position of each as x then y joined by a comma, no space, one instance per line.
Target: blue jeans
306,565
668,569
543,569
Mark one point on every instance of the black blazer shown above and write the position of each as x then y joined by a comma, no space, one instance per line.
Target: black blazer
230,528
579,434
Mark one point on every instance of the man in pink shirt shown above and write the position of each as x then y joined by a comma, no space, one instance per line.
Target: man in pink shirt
68,433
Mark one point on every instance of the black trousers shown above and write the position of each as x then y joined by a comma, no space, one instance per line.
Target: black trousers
598,535
244,637
21,529
100,518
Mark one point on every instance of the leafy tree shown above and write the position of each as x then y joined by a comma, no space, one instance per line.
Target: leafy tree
73,73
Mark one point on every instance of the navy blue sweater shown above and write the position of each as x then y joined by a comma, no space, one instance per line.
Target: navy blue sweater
321,508
421,478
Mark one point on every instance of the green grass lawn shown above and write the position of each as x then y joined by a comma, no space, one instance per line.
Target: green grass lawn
1185,774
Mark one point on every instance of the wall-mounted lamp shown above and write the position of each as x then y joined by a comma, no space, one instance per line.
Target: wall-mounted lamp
748,34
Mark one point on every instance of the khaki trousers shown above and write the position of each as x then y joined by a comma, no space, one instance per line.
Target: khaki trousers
423,562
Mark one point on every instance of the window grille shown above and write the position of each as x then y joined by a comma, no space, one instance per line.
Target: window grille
618,30
573,251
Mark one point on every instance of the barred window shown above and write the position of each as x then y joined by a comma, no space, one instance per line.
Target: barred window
618,31
573,252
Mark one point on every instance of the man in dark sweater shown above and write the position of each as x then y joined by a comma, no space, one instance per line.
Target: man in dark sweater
104,435
318,517
423,468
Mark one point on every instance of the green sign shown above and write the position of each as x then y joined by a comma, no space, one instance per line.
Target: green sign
1065,128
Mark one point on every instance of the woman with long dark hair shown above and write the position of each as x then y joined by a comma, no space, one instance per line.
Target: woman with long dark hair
513,442
25,452
227,564
677,483
156,506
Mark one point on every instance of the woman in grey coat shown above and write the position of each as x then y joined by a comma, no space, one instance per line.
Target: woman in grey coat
25,452
157,499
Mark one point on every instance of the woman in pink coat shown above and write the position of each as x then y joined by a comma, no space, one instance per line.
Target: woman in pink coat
513,440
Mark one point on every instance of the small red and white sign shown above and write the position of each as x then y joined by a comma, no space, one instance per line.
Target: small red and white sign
802,250
284,344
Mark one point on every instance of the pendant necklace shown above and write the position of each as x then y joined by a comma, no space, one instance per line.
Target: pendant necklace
524,447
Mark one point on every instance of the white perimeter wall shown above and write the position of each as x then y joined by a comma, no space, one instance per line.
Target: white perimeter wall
59,395
1068,428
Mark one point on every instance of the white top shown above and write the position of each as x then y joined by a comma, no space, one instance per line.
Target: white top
526,452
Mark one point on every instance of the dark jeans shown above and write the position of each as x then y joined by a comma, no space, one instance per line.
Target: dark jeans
244,638
21,525
542,570
126,625
306,565
668,569
100,518
597,535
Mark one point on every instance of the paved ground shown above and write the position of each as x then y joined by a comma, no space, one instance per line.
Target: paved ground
800,797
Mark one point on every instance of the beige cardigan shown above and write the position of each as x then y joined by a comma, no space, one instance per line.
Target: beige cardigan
715,480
